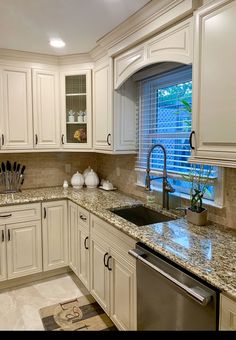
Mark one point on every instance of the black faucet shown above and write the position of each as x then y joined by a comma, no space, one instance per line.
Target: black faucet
166,187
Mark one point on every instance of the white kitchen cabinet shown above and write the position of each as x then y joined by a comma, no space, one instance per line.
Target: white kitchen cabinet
113,273
114,112
73,229
227,314
16,108
76,109
102,106
55,235
3,258
79,242
99,252
21,242
46,112
122,292
24,249
83,246
214,81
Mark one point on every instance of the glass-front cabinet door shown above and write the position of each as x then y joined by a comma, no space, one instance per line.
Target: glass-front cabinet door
76,109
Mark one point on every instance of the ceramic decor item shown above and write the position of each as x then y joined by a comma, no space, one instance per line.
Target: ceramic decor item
86,171
91,179
77,180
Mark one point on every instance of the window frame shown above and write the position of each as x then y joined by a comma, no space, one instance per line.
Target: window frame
218,182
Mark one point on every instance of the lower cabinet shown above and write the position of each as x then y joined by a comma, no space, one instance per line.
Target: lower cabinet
3,255
113,273
20,241
24,249
227,314
79,242
55,235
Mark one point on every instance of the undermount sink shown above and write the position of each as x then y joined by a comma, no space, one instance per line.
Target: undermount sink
141,215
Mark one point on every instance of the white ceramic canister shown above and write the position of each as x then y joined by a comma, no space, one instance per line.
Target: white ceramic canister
86,171
91,179
77,180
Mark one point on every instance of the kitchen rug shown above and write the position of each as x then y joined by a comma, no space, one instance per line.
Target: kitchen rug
79,314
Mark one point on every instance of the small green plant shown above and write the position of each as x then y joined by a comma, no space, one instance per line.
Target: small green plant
199,178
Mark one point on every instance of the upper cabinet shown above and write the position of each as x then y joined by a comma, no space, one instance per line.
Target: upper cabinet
15,108
114,112
25,126
46,109
102,106
214,83
175,45
76,109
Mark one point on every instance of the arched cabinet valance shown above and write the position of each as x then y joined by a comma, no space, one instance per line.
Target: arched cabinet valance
175,45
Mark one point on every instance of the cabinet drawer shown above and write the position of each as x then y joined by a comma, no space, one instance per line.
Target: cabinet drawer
83,217
115,238
20,213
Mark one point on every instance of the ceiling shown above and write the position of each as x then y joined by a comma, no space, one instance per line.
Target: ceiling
28,25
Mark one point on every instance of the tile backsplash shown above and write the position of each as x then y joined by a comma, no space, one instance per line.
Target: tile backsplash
48,169
109,166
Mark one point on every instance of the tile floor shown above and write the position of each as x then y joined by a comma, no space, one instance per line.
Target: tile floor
20,306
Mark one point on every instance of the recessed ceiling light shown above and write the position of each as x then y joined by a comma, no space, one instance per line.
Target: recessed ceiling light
57,43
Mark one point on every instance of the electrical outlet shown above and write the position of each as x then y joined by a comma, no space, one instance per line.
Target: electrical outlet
117,171
68,168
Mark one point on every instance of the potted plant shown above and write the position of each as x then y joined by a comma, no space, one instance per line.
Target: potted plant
199,178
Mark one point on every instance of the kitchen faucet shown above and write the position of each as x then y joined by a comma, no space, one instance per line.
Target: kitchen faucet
166,187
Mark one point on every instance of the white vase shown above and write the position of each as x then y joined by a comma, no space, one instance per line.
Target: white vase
91,179
86,171
71,119
77,180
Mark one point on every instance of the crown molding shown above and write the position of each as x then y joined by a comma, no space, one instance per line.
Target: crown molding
30,57
152,18
79,58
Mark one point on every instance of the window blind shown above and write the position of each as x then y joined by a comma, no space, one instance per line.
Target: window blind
164,106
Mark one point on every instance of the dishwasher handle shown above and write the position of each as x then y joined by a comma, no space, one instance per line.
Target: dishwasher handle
194,292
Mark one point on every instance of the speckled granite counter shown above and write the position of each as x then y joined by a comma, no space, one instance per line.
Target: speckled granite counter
209,252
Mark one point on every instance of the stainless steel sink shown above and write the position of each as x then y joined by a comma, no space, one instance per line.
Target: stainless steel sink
141,215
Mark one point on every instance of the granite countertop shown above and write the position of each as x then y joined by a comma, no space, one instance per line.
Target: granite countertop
207,251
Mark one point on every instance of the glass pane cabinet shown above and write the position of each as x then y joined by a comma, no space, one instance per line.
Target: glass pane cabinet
76,109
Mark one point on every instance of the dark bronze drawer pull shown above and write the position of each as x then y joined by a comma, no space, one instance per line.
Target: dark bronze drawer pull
4,216
104,259
108,262
85,243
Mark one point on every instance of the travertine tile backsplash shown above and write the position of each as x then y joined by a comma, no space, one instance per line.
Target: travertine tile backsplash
107,165
48,169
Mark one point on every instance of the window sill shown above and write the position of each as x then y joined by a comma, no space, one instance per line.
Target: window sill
185,196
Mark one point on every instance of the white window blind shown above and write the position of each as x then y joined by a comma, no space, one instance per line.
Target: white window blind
165,119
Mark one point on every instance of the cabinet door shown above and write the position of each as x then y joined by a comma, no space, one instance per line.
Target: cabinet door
227,314
98,271
55,235
214,104
73,229
24,249
16,118
83,255
76,109
125,117
123,292
102,107
46,109
3,268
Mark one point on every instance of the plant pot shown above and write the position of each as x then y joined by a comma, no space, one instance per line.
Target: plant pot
197,218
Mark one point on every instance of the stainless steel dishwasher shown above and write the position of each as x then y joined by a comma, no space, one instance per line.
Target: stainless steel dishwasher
169,298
